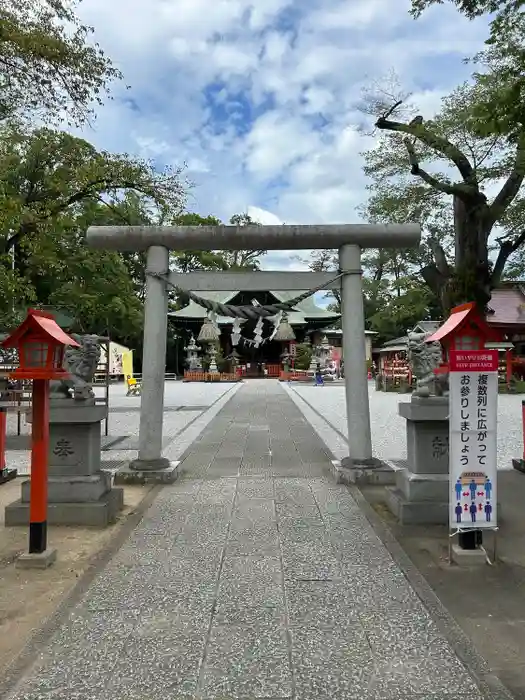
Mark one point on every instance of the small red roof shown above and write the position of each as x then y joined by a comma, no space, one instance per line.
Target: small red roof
41,321
457,316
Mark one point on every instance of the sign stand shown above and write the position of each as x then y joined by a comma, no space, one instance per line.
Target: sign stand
473,451
494,530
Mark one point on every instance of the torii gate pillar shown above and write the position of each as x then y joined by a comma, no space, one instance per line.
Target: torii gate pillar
158,240
354,357
153,364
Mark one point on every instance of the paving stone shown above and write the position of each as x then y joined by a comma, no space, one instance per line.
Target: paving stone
331,664
250,603
261,568
297,510
417,676
251,662
294,496
252,565
320,604
255,488
253,539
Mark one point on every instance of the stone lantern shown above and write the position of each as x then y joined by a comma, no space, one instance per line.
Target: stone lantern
209,334
284,334
325,352
192,355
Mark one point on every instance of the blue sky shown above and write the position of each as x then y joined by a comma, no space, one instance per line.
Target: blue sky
260,97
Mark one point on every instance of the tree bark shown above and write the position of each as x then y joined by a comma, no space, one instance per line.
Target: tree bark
471,278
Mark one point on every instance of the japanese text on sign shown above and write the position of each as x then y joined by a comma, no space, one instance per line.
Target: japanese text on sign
473,464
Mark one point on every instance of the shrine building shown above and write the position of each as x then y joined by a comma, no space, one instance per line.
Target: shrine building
505,312
307,320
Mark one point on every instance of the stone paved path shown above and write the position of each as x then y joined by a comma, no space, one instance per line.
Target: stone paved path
252,577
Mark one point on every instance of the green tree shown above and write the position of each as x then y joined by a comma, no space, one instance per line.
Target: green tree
243,259
46,174
444,203
198,259
47,66
501,108
303,355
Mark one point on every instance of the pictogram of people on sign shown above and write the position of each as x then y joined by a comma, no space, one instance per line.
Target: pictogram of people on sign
473,497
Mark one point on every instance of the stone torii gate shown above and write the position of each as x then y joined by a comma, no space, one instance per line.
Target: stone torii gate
349,239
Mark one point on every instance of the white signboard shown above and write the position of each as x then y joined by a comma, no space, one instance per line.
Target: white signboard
473,439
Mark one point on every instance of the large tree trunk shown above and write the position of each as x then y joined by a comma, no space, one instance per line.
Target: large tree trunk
471,276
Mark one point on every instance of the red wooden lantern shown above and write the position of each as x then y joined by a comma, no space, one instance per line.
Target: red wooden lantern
465,329
40,343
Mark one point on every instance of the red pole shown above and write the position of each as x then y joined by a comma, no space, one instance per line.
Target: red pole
39,462
523,426
3,430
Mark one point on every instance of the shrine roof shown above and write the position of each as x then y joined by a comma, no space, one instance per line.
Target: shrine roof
395,345
455,319
305,310
43,321
507,306
426,326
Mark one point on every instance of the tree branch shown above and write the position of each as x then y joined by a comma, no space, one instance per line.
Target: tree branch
438,143
436,184
103,184
433,279
512,185
440,257
505,251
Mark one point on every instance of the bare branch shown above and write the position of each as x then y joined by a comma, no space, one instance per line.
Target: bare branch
512,185
444,187
385,97
438,143
507,247
440,257
434,279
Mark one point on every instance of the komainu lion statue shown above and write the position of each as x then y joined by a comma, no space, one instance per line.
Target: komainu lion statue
423,359
81,363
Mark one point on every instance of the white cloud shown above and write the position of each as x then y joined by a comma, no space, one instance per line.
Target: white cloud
259,97
262,216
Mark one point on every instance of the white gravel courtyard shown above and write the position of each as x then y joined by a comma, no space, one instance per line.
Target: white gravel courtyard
388,428
184,404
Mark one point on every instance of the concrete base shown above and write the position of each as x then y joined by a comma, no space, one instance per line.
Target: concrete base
168,475
468,557
422,512
349,472
422,487
519,464
99,513
416,512
75,489
153,465
42,560
7,475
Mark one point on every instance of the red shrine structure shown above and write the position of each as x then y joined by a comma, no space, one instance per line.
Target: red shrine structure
466,329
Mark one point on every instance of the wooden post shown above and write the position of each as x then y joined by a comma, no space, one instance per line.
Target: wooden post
39,465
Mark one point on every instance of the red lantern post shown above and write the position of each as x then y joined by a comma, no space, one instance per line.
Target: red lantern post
466,331
40,342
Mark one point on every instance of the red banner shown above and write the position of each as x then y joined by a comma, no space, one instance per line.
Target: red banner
473,360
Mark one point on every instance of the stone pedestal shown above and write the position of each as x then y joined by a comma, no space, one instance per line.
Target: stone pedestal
79,493
420,495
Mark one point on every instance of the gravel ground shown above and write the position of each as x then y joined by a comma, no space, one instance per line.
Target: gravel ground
124,417
388,428
253,576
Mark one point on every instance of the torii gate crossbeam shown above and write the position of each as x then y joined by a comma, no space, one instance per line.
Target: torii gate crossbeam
349,239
